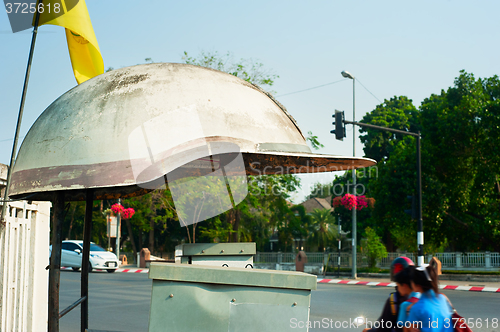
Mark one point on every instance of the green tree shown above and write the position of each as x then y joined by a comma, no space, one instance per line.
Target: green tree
269,206
263,212
218,231
322,230
460,129
396,180
313,140
152,211
74,222
373,247
321,190
397,113
300,224
248,69
460,169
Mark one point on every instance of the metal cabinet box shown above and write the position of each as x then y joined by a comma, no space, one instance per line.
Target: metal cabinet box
215,299
216,254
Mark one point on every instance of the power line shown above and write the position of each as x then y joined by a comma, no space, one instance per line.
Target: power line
9,139
314,87
368,90
320,86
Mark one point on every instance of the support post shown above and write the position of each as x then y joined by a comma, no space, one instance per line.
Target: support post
354,227
340,243
118,229
84,284
420,225
420,230
55,262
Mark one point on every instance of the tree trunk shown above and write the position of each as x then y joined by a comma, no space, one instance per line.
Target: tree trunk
188,233
194,232
71,221
151,235
236,225
131,236
230,219
140,240
390,243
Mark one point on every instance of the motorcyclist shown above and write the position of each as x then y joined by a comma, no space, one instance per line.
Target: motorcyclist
387,321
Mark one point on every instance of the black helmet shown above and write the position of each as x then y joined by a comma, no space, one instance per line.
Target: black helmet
399,264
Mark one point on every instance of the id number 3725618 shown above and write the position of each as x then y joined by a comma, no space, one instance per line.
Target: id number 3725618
472,323
32,7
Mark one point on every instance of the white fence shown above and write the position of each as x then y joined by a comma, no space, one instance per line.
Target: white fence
470,260
24,254
452,261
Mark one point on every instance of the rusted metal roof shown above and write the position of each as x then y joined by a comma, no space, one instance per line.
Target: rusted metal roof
133,125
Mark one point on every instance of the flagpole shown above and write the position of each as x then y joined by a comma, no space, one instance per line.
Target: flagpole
20,115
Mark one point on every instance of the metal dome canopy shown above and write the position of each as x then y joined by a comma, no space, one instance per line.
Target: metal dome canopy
134,125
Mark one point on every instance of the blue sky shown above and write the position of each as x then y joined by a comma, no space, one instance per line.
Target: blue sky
392,47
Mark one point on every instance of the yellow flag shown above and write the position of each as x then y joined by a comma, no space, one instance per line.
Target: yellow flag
83,49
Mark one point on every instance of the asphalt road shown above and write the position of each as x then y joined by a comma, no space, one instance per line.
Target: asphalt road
121,301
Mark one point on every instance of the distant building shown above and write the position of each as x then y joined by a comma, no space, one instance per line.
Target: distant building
316,203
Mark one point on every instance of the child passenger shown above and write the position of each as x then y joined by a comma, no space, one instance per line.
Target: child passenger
403,281
389,317
432,313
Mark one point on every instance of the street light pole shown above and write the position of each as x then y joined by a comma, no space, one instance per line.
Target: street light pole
346,74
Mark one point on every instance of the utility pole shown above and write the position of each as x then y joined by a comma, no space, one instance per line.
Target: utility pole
420,224
340,134
118,219
420,230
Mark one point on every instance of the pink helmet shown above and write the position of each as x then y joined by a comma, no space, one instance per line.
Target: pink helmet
399,264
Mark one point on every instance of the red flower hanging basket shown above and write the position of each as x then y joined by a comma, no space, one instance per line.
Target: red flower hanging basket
118,209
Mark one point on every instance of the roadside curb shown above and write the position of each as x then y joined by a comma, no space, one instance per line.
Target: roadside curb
119,270
392,284
132,270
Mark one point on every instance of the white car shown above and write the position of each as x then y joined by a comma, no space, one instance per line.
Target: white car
71,256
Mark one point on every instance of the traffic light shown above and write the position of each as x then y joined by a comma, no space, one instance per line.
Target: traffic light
339,130
413,211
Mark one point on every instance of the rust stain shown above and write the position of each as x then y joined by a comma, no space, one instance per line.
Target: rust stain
115,179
